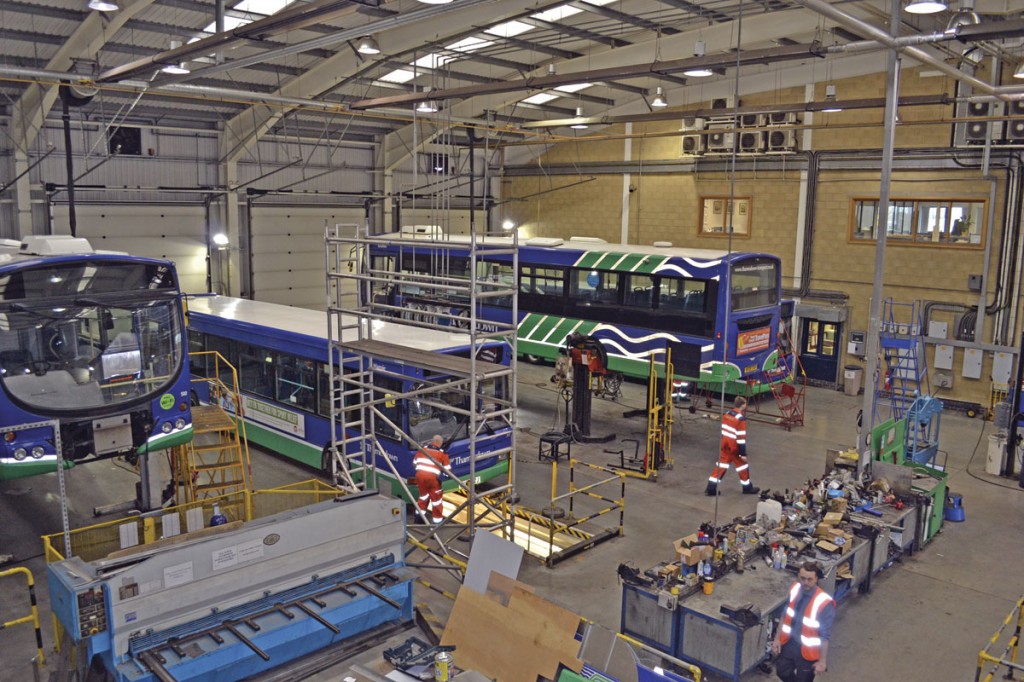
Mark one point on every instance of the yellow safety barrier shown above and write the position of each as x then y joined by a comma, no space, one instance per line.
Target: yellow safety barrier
33,617
1008,658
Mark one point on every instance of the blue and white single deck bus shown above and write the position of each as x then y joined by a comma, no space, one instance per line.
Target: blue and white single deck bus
720,312
281,353
91,341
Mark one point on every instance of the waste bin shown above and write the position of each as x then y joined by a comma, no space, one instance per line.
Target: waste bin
851,379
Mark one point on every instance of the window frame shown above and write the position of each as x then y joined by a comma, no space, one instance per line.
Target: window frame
952,208
711,206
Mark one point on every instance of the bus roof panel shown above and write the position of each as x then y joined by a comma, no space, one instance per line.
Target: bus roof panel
544,245
313,323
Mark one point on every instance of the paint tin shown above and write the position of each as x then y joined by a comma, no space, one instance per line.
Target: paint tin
444,666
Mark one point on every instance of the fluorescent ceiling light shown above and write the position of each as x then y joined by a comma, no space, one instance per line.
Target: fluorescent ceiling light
1019,73
103,5
435,2
925,6
220,239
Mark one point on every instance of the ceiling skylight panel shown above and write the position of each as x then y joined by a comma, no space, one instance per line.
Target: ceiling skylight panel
509,29
230,24
398,76
470,44
266,7
557,13
574,87
432,61
541,98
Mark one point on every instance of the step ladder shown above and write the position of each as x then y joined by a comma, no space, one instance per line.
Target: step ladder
788,382
216,463
901,342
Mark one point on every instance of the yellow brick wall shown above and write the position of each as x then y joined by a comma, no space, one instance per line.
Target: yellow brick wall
665,206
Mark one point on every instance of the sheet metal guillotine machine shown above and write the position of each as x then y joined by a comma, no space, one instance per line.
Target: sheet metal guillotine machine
238,602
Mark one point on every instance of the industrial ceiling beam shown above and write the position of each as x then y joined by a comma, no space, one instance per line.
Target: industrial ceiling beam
745,58
624,18
798,107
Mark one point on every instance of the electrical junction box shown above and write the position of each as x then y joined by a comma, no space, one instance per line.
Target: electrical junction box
974,282
856,345
972,363
943,380
1002,365
938,330
943,357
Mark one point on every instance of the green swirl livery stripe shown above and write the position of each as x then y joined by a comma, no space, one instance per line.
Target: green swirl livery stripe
620,262
551,330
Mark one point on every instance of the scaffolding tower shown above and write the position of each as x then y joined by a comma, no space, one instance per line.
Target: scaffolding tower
355,301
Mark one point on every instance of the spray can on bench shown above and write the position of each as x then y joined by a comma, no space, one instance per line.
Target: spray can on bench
444,666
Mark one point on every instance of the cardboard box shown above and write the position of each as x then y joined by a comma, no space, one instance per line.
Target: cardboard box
833,518
690,553
826,546
823,530
838,504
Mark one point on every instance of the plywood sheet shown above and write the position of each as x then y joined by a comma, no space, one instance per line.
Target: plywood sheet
516,643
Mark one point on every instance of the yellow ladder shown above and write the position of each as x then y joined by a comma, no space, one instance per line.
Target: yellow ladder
216,462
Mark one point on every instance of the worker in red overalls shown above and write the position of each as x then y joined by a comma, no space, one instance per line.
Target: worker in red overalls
733,449
428,463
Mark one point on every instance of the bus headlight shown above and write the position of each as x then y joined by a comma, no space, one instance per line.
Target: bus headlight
20,454
166,428
38,452
179,423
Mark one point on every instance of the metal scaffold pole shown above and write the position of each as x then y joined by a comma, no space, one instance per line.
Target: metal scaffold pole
372,400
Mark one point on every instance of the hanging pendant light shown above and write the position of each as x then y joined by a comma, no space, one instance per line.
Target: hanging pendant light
698,71
925,6
659,101
104,5
580,125
368,45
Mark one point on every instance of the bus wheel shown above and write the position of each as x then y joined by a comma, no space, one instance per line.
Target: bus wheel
193,398
533,359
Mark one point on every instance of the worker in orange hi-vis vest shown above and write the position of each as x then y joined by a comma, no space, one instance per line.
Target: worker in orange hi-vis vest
428,464
733,449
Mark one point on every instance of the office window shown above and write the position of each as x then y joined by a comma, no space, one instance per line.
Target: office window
922,222
715,218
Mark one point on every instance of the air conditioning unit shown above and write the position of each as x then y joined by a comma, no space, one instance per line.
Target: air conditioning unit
1015,126
693,145
975,132
720,140
779,118
723,103
752,120
693,124
751,142
781,141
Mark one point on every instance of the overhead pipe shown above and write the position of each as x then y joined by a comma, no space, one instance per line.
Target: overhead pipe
876,33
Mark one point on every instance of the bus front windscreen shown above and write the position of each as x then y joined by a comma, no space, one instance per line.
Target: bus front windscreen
81,355
754,283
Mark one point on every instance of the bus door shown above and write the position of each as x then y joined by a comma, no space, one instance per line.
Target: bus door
819,349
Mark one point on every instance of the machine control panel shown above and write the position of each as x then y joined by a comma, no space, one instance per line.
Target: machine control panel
92,612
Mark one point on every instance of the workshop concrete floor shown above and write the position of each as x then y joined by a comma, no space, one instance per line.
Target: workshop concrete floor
925,618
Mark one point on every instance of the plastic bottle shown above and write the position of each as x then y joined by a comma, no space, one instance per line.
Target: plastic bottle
784,558
217,519
776,557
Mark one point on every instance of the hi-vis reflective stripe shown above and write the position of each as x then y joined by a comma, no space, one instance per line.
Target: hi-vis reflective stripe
728,430
810,641
790,612
427,468
816,606
793,592
712,479
742,467
787,629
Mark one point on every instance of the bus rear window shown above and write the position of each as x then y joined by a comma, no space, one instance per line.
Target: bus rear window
755,283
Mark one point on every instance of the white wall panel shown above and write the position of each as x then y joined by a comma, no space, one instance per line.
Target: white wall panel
177,233
288,252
